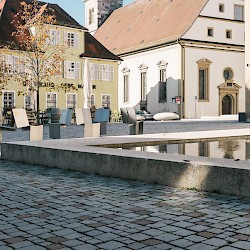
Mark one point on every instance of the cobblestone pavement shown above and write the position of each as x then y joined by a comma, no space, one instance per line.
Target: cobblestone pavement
46,208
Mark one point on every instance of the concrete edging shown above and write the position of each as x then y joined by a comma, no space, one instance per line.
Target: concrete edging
192,175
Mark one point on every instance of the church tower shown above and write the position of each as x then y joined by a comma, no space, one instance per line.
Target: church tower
97,11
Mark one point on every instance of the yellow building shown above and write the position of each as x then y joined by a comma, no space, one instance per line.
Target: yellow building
82,45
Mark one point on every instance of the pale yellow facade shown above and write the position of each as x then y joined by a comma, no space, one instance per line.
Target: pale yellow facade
103,90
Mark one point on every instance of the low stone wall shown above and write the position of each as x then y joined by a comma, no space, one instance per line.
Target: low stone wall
171,170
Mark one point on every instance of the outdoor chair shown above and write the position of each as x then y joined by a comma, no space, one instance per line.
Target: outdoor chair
21,121
90,129
129,117
102,117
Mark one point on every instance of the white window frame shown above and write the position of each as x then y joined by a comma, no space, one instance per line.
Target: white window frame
71,39
94,71
126,87
8,91
109,99
106,72
31,105
54,37
74,106
72,70
48,93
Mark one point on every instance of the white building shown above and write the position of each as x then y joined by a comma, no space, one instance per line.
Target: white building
179,56
97,11
247,57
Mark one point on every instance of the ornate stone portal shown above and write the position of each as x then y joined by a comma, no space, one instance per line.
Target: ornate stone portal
228,98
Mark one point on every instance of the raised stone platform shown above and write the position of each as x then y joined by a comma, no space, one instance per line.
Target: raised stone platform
206,174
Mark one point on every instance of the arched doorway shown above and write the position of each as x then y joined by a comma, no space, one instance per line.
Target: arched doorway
227,104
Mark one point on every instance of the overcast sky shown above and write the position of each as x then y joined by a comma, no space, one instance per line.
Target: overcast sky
76,7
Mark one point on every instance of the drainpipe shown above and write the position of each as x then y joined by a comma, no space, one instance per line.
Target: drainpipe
182,83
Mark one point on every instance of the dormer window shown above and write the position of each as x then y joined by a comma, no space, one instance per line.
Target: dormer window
221,7
210,32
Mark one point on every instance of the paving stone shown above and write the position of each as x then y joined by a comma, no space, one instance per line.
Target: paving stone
215,242
110,245
242,245
81,211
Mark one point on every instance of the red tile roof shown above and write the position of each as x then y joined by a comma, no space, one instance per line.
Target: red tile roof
147,23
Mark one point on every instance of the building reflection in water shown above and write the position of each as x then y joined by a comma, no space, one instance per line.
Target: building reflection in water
228,149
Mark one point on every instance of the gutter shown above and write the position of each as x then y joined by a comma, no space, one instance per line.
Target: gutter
182,82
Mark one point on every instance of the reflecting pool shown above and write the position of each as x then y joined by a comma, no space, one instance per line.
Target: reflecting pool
238,149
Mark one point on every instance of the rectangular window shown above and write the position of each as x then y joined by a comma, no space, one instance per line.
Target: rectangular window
143,86
8,99
71,39
71,101
210,32
92,100
163,86
51,100
71,70
126,88
28,102
221,7
239,12
228,34
94,71
54,37
203,84
106,72
106,100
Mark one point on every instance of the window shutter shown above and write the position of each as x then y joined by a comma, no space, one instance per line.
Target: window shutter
83,70
2,62
57,37
111,78
22,64
76,41
16,64
77,71
51,38
65,69
100,72
65,36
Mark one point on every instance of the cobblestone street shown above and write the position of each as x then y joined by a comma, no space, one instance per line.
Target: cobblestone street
46,208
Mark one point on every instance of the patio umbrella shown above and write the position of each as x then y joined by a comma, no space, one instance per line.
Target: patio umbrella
87,84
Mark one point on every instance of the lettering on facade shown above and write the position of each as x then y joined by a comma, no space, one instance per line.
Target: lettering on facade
47,85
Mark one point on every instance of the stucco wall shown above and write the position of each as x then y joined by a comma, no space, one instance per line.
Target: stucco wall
172,56
220,60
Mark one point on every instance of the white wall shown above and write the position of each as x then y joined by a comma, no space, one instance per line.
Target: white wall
199,31
89,4
222,22
172,56
212,8
220,60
